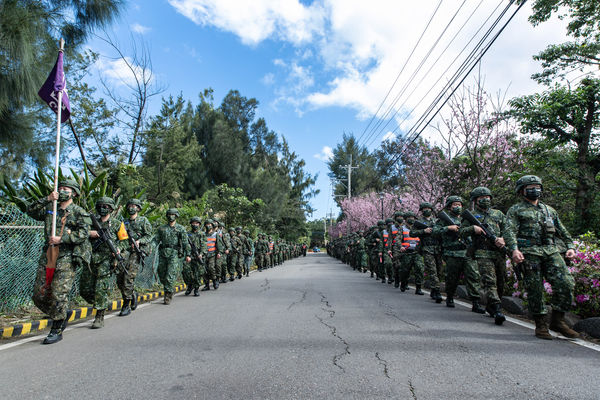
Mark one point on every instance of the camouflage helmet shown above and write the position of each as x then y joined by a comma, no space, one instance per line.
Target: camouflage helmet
231,229
70,183
196,219
527,180
105,201
238,229
409,214
221,224
425,204
246,232
173,211
135,202
397,214
209,222
389,221
480,191
380,222
452,199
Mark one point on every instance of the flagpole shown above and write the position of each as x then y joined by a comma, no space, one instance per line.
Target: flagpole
54,202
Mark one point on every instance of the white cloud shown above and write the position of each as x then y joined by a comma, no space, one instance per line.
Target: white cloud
118,71
325,155
389,136
360,50
268,79
141,29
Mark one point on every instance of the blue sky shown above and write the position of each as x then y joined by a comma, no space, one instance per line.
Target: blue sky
318,68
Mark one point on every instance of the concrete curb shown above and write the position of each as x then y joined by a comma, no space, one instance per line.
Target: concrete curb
75,314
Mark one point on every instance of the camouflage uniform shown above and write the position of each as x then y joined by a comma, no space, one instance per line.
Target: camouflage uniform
194,270
75,252
431,251
411,257
94,283
248,251
235,255
138,229
222,262
454,248
173,247
213,253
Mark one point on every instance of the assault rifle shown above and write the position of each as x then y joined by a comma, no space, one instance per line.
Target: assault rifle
489,235
446,218
136,248
195,253
104,237
420,225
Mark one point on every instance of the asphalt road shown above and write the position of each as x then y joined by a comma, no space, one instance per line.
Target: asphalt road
312,328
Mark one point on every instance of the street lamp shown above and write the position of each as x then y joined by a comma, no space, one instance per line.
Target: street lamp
381,194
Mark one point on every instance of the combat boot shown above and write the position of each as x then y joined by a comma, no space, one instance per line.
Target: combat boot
419,291
558,324
438,296
247,273
56,331
477,307
397,283
216,284
499,318
231,278
450,302
239,276
206,286
541,328
196,292
188,291
134,301
403,286
167,298
371,274
99,320
223,280
125,309
382,280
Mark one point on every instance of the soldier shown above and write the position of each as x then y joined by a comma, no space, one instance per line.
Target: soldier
248,252
361,252
213,253
139,231
94,283
173,246
53,285
372,250
454,246
223,238
490,257
531,229
234,254
410,247
260,251
384,252
271,247
431,251
193,268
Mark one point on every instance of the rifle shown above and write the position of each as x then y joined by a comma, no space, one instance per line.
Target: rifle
195,253
446,218
136,248
420,225
105,238
468,215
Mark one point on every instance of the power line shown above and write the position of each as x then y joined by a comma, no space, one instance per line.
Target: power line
400,73
419,127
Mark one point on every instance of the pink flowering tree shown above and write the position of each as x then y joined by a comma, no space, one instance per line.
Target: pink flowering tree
362,212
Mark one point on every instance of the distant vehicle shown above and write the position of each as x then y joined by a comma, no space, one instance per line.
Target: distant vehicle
316,250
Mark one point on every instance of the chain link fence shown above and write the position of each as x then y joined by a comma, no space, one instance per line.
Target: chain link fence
21,245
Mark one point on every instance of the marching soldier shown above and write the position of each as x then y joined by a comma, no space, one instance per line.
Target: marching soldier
173,246
53,283
213,253
410,247
248,252
193,268
139,231
94,283
531,230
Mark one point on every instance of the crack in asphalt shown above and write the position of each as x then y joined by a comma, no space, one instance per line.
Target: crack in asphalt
304,294
265,285
384,363
412,389
333,330
389,311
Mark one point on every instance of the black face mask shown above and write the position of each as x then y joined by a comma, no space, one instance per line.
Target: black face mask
427,213
533,193
484,203
195,227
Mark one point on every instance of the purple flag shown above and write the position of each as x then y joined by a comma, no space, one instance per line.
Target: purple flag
55,83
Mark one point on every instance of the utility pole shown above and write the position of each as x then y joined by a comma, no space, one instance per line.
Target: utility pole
349,167
325,231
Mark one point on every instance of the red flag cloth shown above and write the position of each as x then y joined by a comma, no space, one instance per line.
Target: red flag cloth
56,83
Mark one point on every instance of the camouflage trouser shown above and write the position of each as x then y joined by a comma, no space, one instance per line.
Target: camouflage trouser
492,278
55,301
407,263
238,264
362,260
260,260
192,273
247,263
397,266
168,268
211,269
126,280
386,268
373,262
552,268
455,266
222,266
433,269
94,283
